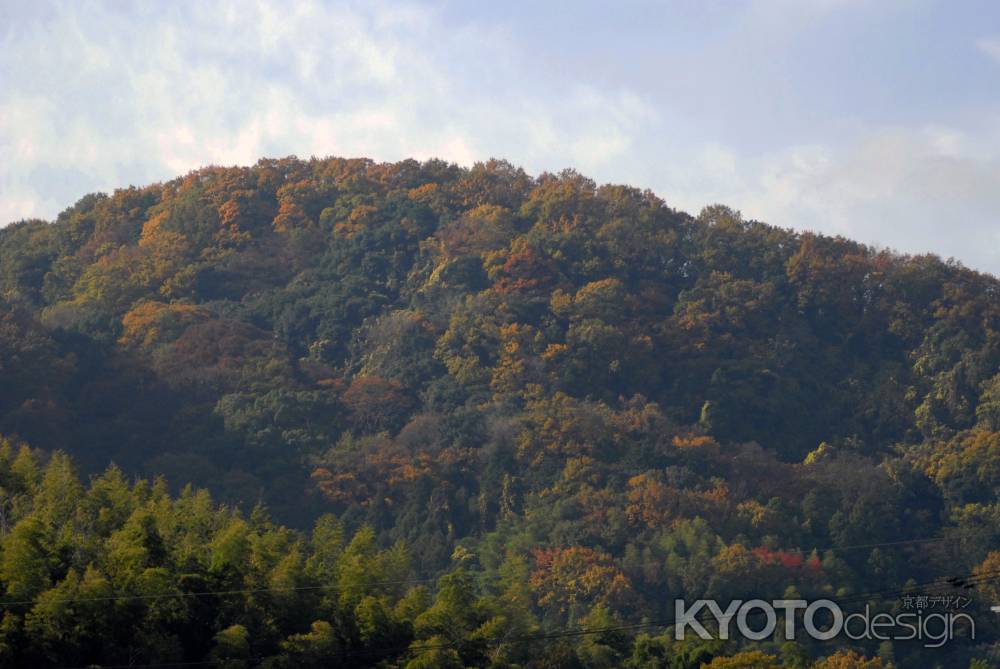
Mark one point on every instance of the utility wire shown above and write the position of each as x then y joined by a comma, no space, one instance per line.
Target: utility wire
577,632
240,591
973,579
210,593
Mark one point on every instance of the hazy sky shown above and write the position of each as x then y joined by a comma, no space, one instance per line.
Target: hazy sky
878,120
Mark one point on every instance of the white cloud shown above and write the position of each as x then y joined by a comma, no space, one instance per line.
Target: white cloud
916,190
122,99
991,47
95,97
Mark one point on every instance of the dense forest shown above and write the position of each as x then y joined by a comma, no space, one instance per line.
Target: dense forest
342,413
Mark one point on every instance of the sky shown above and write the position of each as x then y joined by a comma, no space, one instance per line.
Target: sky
876,120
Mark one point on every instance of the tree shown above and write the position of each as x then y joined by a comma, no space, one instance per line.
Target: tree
753,659
25,564
848,659
232,648
376,404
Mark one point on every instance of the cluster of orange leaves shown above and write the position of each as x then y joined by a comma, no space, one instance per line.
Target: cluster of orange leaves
566,577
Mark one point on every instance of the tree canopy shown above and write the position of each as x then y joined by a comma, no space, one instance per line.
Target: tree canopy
532,403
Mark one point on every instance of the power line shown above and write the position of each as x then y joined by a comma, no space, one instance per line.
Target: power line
901,542
160,665
973,579
239,591
568,633
209,593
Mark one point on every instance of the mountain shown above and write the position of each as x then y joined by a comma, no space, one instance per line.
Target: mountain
572,396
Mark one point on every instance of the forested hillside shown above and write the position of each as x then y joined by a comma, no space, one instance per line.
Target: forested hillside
572,404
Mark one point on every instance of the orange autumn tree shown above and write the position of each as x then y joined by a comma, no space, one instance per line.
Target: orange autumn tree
849,659
375,403
568,582
152,323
